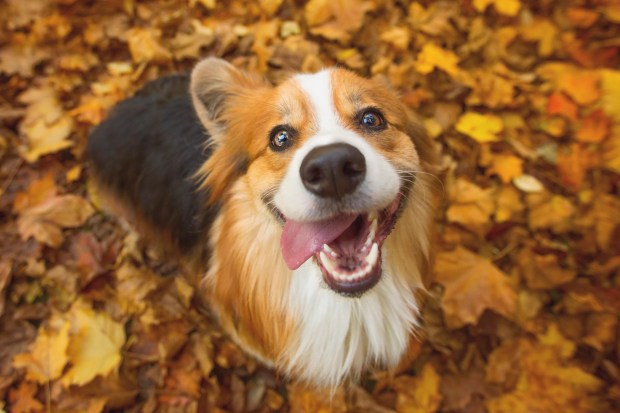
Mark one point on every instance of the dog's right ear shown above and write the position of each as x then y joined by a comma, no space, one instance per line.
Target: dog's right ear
215,83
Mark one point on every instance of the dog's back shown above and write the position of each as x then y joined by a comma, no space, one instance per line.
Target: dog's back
144,156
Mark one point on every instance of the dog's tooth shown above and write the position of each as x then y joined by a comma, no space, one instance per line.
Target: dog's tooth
330,251
373,255
328,264
372,216
371,233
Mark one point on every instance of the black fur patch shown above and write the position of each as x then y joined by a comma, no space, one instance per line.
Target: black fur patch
147,151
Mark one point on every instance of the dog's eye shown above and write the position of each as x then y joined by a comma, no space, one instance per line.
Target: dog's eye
280,138
372,119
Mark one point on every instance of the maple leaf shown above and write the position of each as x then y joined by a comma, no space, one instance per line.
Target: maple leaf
432,56
472,285
305,400
45,221
507,167
471,205
547,211
481,127
546,382
145,46
418,394
505,7
594,127
47,356
46,126
95,348
23,398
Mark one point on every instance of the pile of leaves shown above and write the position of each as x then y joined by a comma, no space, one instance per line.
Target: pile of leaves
521,97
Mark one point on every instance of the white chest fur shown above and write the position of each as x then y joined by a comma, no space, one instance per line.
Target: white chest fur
340,336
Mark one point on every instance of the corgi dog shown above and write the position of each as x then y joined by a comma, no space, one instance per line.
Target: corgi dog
305,208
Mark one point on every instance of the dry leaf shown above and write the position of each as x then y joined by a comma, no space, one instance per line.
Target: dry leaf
145,46
419,394
23,399
46,126
481,127
472,285
47,356
45,221
434,57
95,347
505,7
507,167
470,205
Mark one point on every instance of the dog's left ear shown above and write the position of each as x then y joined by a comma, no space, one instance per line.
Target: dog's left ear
215,84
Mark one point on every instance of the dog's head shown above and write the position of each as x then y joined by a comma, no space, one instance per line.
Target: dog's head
332,156
325,209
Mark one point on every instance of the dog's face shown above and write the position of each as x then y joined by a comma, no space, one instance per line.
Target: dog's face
332,158
327,170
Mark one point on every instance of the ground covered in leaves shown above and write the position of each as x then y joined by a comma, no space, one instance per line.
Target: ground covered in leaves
523,98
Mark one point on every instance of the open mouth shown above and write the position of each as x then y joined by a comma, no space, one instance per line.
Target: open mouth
347,248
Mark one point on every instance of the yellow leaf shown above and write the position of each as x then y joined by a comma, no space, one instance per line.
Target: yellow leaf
542,31
547,382
505,7
432,56
45,220
47,356
96,347
419,394
145,46
46,126
553,212
610,87
472,285
508,203
470,205
482,128
506,167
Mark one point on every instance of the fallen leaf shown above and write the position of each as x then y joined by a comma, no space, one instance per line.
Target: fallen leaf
145,46
581,17
559,104
419,394
481,127
550,212
470,205
45,221
46,126
507,167
472,285
509,204
610,88
505,7
546,381
23,398
432,56
542,31
95,348
47,356
543,272
594,127
305,400
528,183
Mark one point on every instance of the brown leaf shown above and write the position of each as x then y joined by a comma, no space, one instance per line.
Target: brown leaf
45,221
23,399
419,394
472,285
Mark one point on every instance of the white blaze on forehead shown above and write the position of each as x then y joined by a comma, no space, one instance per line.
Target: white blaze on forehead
318,88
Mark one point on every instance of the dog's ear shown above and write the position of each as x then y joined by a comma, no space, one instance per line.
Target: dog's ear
215,83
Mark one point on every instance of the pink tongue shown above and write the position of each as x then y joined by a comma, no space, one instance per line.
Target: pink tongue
301,240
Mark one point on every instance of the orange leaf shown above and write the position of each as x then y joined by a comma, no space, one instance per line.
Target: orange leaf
573,164
419,394
506,167
581,17
595,127
23,398
472,285
560,104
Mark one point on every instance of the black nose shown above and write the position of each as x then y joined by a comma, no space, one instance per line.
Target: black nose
332,171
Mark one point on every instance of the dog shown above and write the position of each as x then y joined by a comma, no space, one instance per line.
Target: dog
305,206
